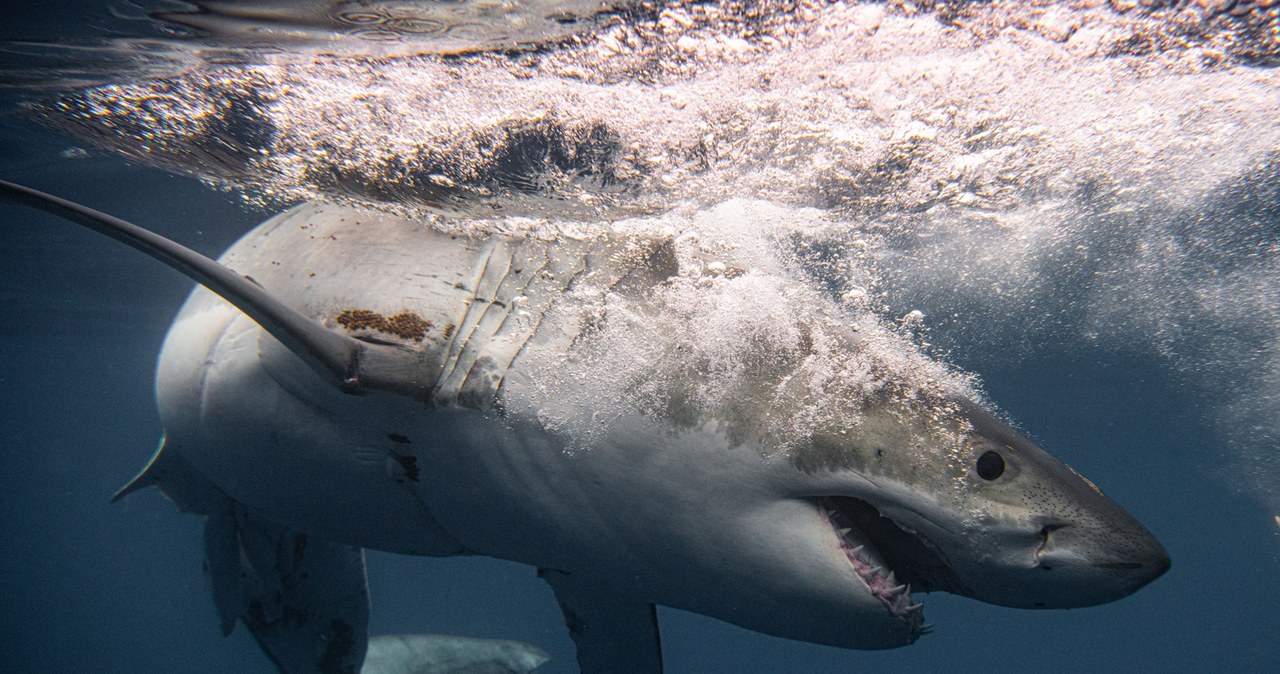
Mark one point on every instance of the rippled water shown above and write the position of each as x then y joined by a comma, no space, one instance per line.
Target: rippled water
1080,200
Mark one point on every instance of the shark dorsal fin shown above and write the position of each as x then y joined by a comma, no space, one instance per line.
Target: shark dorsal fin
329,353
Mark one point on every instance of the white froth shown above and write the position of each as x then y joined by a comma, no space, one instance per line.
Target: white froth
1012,178
738,341
833,110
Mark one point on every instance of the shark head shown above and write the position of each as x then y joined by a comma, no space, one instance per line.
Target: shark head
964,504
1039,535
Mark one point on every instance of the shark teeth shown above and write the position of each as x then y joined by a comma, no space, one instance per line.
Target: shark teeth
873,570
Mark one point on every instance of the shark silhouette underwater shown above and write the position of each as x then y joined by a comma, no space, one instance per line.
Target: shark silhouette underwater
360,381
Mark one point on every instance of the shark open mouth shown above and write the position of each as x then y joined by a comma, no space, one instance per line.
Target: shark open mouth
890,559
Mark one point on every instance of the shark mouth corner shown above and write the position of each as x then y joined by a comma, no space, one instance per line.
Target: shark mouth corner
889,559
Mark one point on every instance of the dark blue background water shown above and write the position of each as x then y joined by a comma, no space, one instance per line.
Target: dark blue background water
88,586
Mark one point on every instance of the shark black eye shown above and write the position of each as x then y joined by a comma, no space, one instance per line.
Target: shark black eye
990,466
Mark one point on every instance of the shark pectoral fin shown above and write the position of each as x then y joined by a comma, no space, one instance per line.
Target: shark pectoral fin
305,600
441,653
355,366
612,633
328,352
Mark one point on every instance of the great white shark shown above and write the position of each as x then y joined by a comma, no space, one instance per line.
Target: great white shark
362,381
446,654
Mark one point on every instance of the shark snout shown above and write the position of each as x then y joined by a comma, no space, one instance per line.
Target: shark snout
1083,565
1128,548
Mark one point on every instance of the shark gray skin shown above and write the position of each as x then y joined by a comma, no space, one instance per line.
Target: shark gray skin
444,654
371,383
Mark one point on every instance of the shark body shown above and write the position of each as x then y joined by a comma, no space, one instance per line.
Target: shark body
592,408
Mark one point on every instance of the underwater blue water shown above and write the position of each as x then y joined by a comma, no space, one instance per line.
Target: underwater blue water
90,586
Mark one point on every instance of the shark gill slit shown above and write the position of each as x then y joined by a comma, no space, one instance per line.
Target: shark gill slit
537,324
493,303
458,343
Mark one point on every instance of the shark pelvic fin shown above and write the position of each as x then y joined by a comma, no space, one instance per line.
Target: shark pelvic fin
329,353
147,477
177,480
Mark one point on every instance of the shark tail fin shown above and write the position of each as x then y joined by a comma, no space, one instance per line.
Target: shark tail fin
305,600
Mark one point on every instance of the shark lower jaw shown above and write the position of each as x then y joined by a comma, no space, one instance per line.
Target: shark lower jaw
889,558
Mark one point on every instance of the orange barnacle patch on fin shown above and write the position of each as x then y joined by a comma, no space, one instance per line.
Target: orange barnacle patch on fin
405,325
408,325
362,319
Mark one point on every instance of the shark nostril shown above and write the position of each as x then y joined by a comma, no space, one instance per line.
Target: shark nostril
1044,535
1047,530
